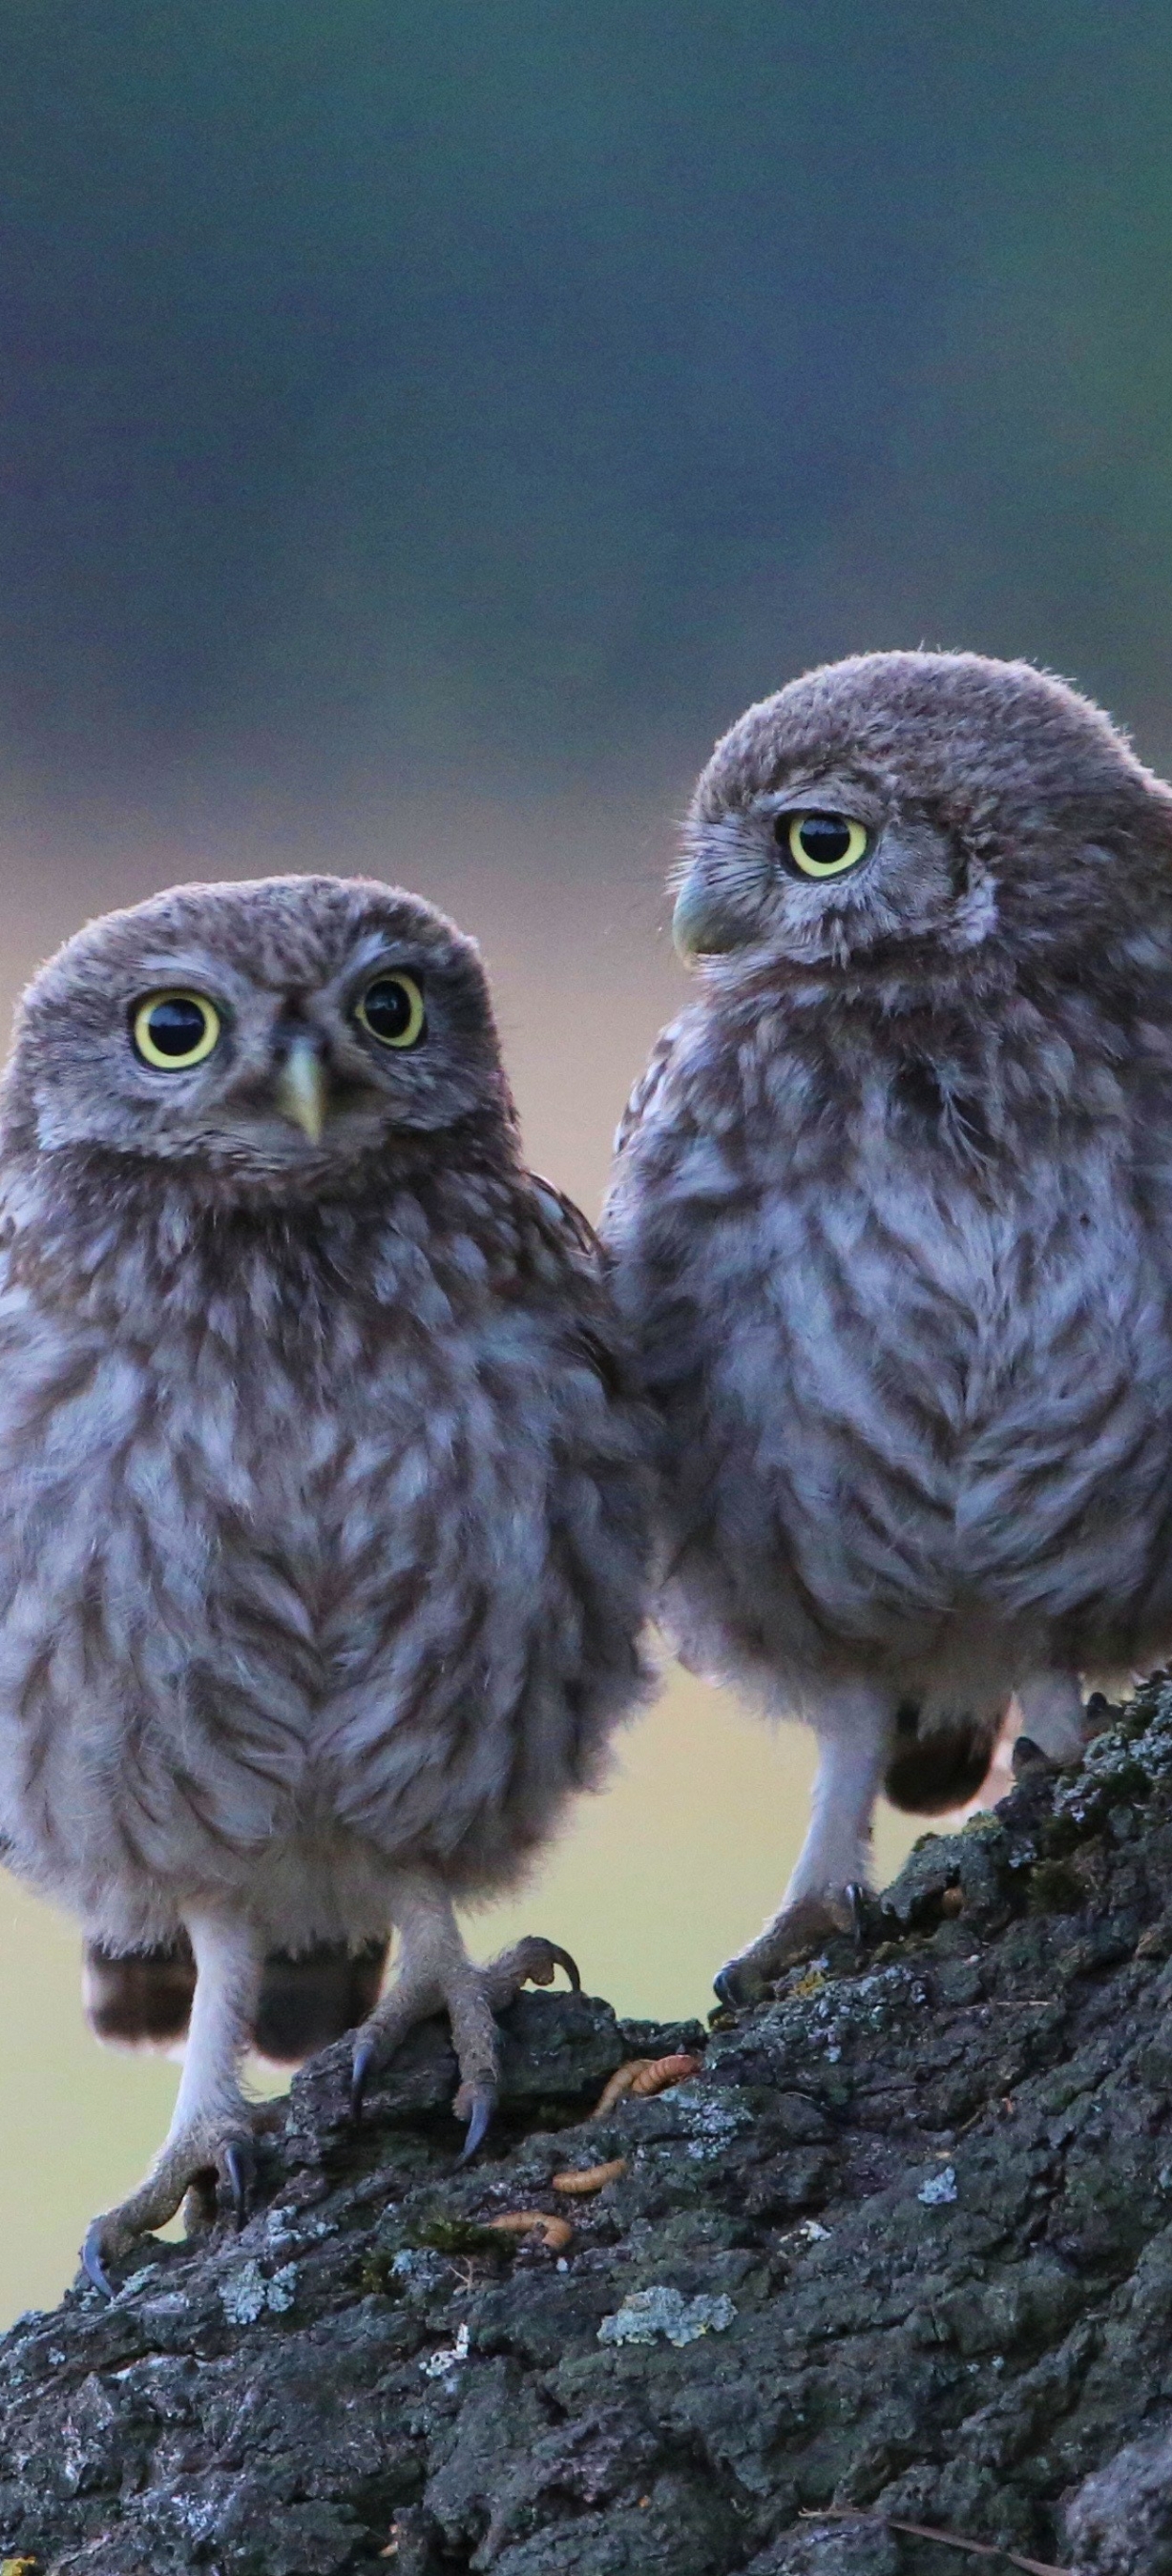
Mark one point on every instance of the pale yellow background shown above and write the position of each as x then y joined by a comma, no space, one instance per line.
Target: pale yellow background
653,1883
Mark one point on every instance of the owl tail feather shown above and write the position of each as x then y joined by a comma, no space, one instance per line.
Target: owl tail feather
945,1765
143,1999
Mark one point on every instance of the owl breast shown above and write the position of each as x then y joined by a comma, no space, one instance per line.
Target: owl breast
278,1582
897,1389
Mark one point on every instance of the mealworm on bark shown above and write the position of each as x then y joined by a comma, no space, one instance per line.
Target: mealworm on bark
643,2076
557,2233
593,2178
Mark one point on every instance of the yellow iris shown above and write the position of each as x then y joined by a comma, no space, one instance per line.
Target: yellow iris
825,845
391,1010
174,1031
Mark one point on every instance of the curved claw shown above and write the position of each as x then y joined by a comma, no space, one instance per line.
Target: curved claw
562,1959
736,1984
361,2064
239,2168
854,1895
92,2263
1028,1757
483,2106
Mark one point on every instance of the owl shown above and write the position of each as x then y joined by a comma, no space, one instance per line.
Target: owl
321,1487
891,1224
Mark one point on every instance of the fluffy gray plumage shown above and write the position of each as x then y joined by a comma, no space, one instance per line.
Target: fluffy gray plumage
892,1222
321,1553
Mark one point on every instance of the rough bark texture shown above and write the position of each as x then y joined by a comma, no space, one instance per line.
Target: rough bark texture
905,2245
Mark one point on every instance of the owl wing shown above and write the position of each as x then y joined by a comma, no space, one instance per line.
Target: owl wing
568,1218
590,1325
648,1085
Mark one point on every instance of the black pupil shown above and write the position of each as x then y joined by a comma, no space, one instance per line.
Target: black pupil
825,838
388,1010
177,1027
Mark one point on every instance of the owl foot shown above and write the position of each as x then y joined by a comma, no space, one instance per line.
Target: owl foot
1028,1762
797,1933
530,1962
206,2155
471,1997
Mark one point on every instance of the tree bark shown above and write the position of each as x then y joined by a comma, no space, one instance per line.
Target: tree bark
901,2252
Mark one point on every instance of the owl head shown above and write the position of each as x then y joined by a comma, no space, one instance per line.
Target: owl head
929,803
278,1037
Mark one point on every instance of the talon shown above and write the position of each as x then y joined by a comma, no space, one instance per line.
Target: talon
1028,1756
796,1934
363,2061
483,2105
738,1984
854,1897
91,2260
1098,1714
239,2174
562,1959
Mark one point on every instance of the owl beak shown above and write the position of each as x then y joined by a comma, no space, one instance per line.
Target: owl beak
696,927
302,1089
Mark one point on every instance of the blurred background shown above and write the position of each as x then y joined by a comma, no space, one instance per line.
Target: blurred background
422,429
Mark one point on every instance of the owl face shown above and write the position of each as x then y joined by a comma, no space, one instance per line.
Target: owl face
915,801
279,1034
816,866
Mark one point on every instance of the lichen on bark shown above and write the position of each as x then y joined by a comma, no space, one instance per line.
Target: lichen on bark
904,2244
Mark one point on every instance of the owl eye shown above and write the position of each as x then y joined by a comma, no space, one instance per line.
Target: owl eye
392,1010
822,845
175,1030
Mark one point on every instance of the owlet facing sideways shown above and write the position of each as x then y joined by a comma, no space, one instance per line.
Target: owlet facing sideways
321,1506
891,1220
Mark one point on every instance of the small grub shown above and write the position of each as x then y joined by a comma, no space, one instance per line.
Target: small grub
579,2186
556,2233
643,2077
963,2365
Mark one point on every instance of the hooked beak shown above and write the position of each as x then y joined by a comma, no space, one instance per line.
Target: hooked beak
696,927
302,1089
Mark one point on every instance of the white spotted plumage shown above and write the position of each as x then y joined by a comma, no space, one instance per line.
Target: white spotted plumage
321,1555
892,1226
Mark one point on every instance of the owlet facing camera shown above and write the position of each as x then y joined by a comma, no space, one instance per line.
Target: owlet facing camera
321,1505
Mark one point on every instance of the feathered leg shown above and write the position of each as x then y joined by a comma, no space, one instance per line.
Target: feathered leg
142,1998
212,2125
853,1724
1052,1718
435,1974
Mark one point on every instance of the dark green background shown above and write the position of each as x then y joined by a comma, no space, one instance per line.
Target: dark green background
507,390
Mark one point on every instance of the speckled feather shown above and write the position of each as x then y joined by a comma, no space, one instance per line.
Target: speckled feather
321,1508
891,1216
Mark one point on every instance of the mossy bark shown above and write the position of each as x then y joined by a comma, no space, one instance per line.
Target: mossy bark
904,2245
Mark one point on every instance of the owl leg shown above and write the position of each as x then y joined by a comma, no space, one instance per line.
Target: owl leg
853,1727
435,1974
1053,1720
212,2125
